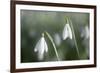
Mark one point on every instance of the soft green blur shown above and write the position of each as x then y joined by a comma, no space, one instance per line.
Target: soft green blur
34,23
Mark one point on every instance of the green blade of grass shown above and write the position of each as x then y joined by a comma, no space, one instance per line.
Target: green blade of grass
50,38
74,37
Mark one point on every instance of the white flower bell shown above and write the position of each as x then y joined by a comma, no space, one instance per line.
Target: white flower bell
85,33
67,32
41,47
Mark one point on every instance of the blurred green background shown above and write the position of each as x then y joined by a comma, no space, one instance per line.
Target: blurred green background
34,23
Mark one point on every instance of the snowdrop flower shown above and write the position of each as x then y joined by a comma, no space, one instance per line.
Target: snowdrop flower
41,47
85,32
67,32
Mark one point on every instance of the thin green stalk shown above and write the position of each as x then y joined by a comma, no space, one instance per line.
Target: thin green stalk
50,38
77,49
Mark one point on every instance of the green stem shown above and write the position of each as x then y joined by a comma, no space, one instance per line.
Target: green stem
77,49
50,38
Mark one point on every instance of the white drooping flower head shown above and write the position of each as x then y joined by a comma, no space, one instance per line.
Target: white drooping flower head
67,32
85,33
41,47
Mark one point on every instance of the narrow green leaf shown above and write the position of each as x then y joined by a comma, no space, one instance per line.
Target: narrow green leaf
50,38
74,37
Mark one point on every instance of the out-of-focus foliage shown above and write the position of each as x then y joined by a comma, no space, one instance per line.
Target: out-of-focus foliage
34,23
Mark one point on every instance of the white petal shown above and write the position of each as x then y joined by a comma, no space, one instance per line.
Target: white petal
65,33
37,46
41,47
40,56
35,50
69,31
87,31
45,46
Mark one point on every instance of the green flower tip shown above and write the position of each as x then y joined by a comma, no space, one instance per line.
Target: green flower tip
66,19
43,34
